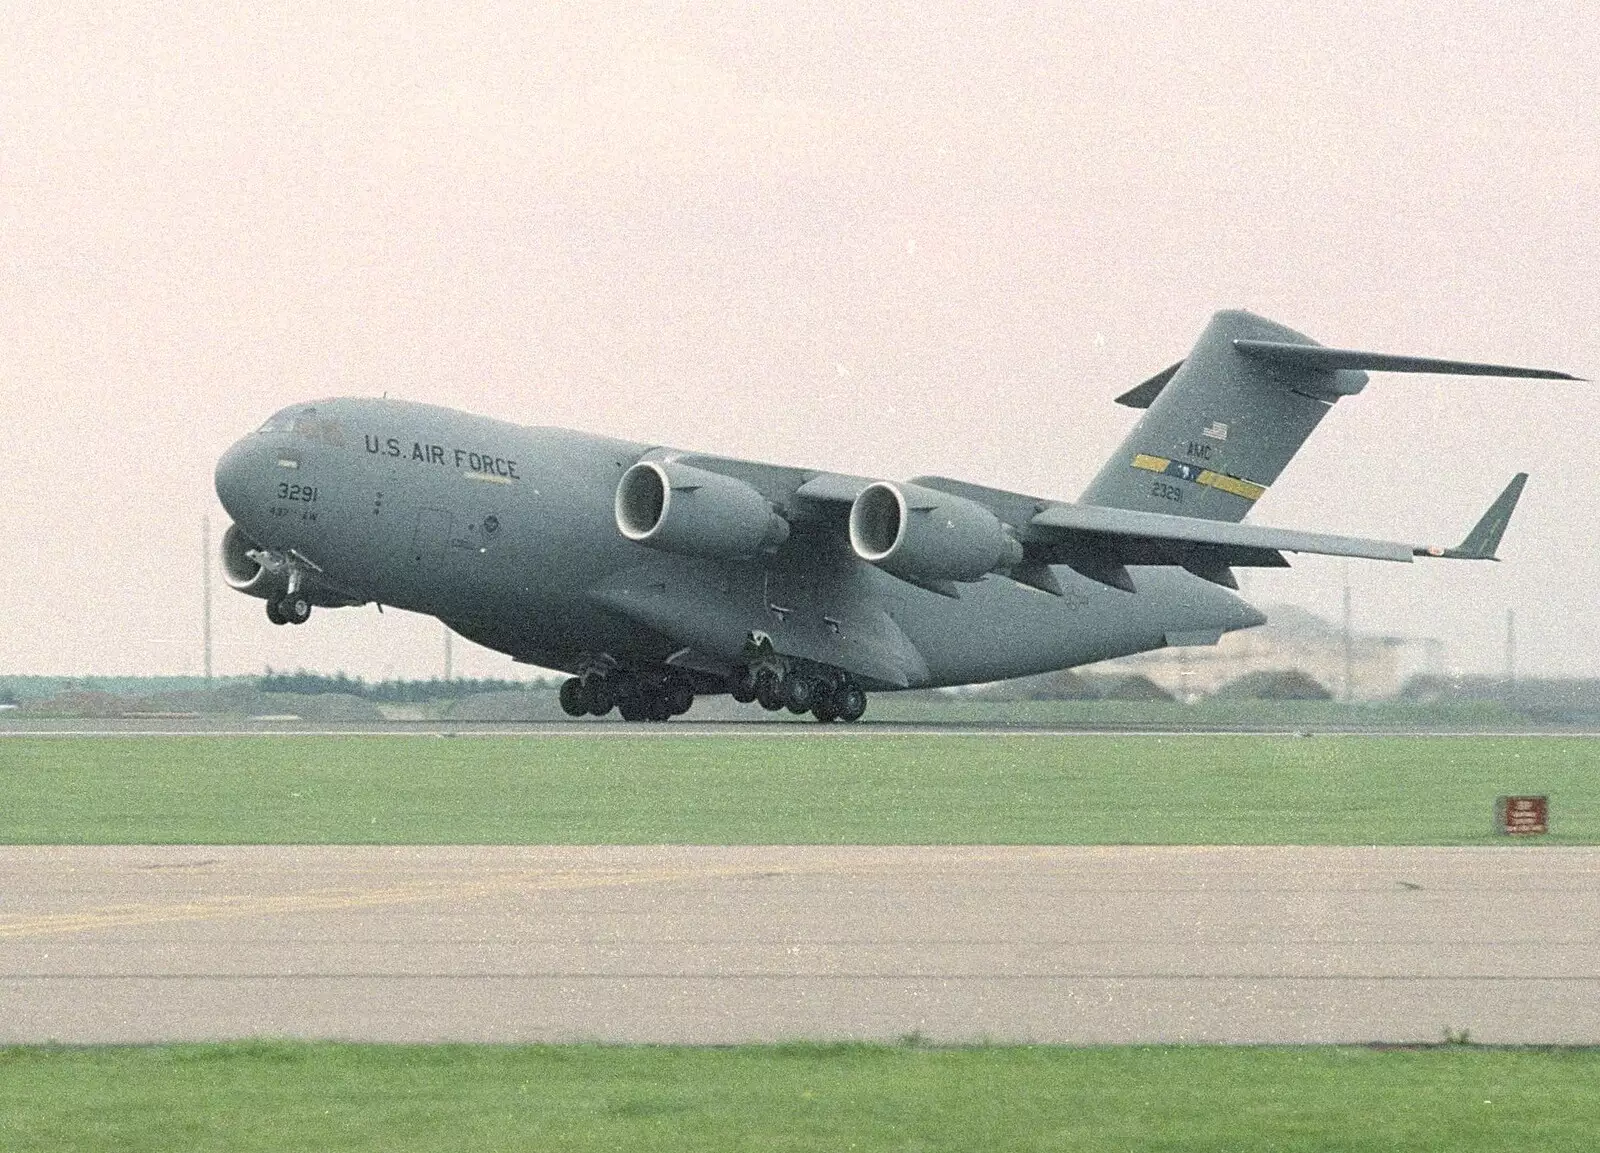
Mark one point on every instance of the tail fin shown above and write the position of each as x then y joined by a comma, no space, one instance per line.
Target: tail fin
1222,424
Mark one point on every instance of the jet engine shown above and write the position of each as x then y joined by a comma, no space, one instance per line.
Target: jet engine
681,509
921,534
245,572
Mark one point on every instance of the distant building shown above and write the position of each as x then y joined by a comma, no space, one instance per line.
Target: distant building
1292,638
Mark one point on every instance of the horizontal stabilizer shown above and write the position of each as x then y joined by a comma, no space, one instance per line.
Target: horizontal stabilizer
1319,359
1484,538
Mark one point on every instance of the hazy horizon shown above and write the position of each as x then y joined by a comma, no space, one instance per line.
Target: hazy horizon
871,238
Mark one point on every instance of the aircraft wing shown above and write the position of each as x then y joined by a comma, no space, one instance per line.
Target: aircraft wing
1136,534
799,494
1109,539
1101,541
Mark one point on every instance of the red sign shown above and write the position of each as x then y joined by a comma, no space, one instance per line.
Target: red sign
1521,816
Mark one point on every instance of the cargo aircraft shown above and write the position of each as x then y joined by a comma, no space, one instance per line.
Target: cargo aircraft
653,574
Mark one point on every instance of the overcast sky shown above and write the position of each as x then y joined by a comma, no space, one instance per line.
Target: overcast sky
882,238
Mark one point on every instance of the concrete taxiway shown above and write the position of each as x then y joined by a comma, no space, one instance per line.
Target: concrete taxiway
711,945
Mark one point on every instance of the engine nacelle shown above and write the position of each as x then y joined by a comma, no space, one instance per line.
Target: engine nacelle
681,509
247,574
925,535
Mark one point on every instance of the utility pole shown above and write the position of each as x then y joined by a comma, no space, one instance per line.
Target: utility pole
1349,644
1511,647
205,593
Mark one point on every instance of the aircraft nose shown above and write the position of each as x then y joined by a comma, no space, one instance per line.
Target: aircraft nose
238,473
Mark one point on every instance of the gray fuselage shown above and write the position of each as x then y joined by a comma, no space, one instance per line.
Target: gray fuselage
509,535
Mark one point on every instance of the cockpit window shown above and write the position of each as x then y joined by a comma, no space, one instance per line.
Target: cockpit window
282,420
319,428
306,422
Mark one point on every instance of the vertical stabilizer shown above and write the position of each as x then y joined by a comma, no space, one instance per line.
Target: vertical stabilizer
1221,426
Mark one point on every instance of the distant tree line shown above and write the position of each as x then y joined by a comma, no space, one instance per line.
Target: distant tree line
395,692
20,688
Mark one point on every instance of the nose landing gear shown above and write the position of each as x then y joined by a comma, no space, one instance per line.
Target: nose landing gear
292,606
294,609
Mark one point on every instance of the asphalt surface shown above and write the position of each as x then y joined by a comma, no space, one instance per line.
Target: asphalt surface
715,945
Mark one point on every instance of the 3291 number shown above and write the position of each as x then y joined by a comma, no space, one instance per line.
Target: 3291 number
300,492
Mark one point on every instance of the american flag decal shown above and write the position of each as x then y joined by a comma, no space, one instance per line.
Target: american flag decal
1216,430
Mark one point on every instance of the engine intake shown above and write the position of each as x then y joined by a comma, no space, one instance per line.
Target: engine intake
922,534
681,509
244,572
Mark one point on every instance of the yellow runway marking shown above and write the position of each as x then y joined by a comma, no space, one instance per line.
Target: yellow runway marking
325,901
336,900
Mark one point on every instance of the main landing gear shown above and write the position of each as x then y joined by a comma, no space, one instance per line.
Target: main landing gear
636,697
293,609
776,683
826,694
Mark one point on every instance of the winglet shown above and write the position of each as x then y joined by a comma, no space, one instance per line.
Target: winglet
1484,538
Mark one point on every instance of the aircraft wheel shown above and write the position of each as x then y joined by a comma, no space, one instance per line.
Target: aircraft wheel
296,610
823,711
600,697
799,694
574,701
658,708
632,709
852,703
275,613
680,695
742,685
769,691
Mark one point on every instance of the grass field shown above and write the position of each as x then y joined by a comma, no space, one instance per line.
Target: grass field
800,1097
760,790
1446,716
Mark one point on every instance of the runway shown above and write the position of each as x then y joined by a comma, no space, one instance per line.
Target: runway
794,727
718,945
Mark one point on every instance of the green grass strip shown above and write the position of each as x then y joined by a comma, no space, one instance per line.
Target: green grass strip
1435,716
330,1097
757,790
